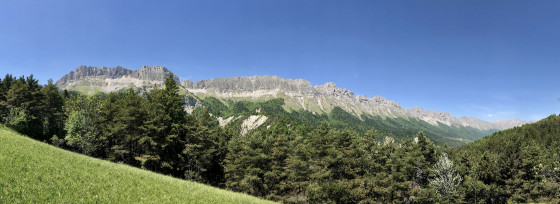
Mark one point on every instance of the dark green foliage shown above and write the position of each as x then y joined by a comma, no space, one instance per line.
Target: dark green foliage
327,165
510,165
295,157
121,116
153,132
397,128
206,148
165,130
215,106
30,108
53,113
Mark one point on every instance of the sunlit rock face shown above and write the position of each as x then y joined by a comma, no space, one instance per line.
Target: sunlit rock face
91,79
323,98
297,93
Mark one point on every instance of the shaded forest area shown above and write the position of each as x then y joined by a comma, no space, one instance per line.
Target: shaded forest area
288,160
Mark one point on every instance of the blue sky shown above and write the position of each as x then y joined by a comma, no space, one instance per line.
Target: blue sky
488,59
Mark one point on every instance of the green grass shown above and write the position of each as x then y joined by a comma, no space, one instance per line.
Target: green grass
34,172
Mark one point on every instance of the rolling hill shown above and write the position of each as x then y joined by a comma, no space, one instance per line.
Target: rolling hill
34,172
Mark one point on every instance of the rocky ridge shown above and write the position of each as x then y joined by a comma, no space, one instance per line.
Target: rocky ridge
113,79
323,98
298,94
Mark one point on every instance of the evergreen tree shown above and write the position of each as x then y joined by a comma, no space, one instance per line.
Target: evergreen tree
123,115
203,158
447,180
24,105
5,85
297,170
276,178
246,165
53,113
164,131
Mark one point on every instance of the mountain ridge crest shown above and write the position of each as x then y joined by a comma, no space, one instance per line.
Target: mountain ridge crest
300,93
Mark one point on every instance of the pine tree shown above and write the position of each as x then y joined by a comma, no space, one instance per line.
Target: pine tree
246,164
277,176
297,170
5,85
24,105
164,134
201,151
53,113
123,114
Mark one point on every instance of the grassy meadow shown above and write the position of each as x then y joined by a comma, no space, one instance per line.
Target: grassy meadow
34,172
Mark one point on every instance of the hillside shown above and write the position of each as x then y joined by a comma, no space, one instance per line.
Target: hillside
238,114
292,156
34,172
521,164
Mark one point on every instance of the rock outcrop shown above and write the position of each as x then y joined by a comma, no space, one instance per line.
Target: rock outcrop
251,123
90,79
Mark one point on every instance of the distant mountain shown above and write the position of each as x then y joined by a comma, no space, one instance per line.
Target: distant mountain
298,94
102,79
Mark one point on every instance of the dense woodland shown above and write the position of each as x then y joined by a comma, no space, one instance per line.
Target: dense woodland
338,118
292,159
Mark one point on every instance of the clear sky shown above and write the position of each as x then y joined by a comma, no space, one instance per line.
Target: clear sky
488,59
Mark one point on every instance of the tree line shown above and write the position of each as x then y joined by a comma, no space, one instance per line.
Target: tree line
284,160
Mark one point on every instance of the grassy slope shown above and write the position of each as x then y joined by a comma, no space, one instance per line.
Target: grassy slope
34,172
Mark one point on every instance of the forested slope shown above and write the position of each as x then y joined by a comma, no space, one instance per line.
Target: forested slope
294,157
521,164
396,128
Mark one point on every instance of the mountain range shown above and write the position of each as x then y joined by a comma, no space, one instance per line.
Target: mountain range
298,94
89,79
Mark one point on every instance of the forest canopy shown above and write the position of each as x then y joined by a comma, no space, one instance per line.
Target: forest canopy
296,157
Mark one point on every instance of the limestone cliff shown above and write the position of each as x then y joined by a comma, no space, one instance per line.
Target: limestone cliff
300,94
92,79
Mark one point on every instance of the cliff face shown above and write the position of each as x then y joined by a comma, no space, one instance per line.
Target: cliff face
91,79
298,93
324,98
83,72
152,73
252,84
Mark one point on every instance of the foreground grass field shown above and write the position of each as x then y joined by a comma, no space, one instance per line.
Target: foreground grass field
34,172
